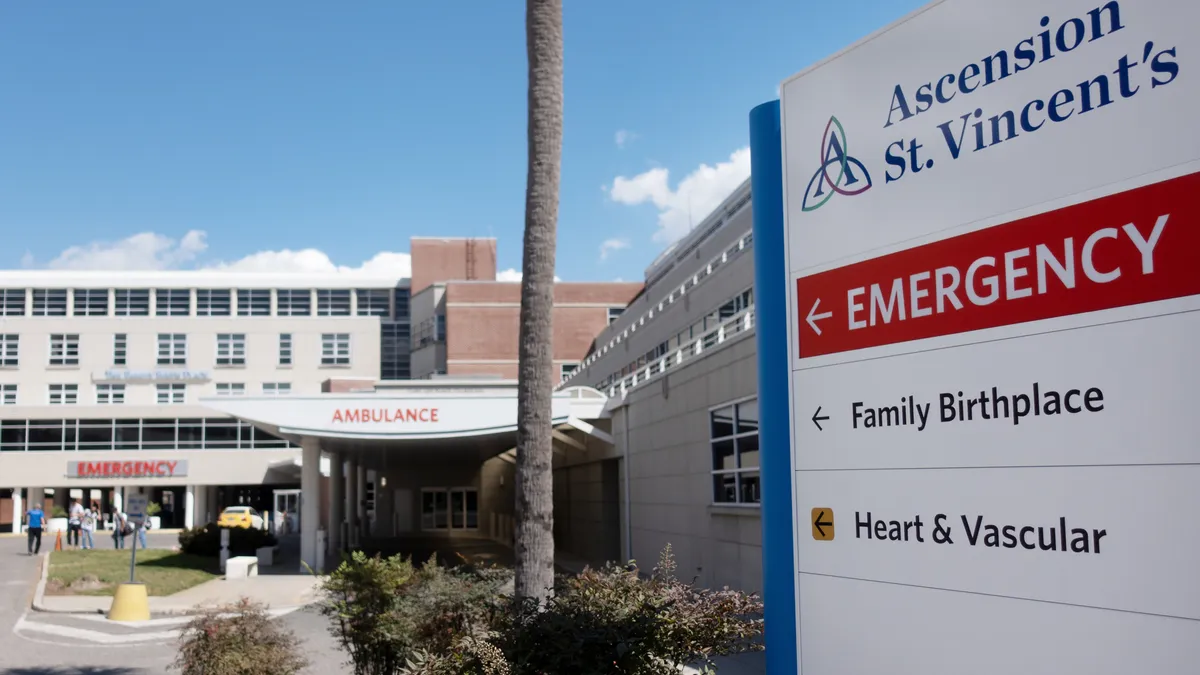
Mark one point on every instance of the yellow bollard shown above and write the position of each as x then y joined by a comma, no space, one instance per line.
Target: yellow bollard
130,603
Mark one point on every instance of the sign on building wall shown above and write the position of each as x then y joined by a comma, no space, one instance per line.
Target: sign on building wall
383,416
152,468
140,376
992,216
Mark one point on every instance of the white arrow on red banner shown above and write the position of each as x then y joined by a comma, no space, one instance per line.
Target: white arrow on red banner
813,317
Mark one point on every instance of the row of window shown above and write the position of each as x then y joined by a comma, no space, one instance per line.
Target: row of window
134,434
169,393
743,244
731,308
172,349
733,438
208,302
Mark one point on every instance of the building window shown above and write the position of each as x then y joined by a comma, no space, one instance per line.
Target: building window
91,302
64,394
293,302
172,349
231,389
333,302
403,295
231,349
439,334
285,348
254,302
10,348
110,394
734,433
614,313
120,348
132,302
374,301
50,302
64,349
172,302
8,394
133,434
213,302
736,306
12,302
395,361
566,370
453,509
276,388
335,349
173,393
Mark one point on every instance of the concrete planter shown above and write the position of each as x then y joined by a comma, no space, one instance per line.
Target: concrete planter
57,525
266,555
155,523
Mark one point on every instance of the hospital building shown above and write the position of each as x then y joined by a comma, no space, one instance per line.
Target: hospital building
350,407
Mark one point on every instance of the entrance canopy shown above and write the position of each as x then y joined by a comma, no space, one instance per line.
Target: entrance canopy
421,419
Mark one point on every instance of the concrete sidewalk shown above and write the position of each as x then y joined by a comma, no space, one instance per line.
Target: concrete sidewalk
276,591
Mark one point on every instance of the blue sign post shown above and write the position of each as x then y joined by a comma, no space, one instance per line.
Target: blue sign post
770,300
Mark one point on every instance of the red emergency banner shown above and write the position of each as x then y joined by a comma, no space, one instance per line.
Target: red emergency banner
1124,249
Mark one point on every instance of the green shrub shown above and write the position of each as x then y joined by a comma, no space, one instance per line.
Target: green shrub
153,509
58,512
613,620
206,541
238,640
383,610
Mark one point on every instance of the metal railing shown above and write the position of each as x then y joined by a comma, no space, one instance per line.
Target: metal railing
703,273
736,325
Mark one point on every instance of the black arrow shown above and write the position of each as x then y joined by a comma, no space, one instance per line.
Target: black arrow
820,523
817,420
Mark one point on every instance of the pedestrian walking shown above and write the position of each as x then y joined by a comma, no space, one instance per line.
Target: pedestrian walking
35,520
120,528
90,516
74,523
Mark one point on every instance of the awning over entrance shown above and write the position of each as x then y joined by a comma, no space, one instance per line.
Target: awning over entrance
434,417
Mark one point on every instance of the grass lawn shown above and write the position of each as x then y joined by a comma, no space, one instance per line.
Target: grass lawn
97,572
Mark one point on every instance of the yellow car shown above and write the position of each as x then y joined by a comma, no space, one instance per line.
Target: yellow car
240,516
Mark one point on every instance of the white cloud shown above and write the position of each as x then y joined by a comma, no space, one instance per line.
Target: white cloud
142,251
624,137
313,261
695,197
610,246
513,274
152,251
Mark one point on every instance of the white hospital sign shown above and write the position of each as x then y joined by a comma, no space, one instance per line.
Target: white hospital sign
992,216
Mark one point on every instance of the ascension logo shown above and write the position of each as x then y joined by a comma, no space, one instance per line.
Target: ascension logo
839,172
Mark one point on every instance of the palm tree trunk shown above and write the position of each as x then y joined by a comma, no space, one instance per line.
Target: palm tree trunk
535,479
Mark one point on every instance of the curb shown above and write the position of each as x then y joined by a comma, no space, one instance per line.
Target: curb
40,592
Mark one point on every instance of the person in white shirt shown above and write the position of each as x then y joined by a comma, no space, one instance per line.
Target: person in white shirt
90,516
74,524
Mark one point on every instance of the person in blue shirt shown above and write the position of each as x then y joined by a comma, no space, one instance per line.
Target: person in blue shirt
35,520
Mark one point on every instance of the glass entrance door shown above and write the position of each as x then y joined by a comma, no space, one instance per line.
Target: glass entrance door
287,512
449,509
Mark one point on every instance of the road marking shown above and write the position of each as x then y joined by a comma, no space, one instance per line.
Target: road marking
97,637
14,583
150,623
168,620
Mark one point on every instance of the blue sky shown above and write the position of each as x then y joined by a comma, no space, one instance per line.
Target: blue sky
307,135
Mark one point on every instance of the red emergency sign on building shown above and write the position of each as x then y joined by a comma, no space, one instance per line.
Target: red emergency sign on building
133,469
1125,249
